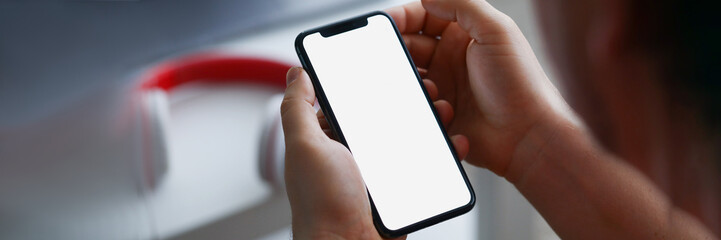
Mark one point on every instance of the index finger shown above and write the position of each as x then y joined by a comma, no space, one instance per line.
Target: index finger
413,18
477,17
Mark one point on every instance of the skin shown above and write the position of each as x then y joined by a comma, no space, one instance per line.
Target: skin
497,98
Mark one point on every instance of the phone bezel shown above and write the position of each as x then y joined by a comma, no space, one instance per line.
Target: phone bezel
354,23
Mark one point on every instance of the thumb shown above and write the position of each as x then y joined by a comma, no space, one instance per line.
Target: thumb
296,111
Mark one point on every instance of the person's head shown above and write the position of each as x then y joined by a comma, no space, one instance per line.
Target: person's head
631,63
642,75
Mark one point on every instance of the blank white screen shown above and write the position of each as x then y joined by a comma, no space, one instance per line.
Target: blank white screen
387,122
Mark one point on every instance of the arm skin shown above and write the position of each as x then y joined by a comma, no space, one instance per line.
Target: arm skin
586,193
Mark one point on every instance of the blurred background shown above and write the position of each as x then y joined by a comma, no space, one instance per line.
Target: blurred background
96,144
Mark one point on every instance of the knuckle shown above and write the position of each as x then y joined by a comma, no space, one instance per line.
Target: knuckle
502,23
505,20
286,106
508,24
304,142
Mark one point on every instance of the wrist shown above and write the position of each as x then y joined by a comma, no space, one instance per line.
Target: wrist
317,235
329,235
551,137
333,231
302,232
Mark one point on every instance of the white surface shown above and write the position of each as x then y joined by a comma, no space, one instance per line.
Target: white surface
213,171
74,175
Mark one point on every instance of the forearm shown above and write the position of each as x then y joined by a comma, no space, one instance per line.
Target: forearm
586,193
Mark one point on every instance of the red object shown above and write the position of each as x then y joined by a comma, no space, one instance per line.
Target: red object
211,68
215,68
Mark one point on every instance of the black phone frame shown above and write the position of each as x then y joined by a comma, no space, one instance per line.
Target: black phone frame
348,25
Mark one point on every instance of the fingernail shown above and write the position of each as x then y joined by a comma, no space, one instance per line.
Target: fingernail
292,75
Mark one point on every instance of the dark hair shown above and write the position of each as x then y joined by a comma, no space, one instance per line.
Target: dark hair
686,38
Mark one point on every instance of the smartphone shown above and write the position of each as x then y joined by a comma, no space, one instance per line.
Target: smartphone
377,106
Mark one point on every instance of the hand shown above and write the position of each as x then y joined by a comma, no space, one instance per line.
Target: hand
523,130
328,198
487,71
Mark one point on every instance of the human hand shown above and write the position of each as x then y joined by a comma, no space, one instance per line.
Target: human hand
522,129
485,68
327,195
